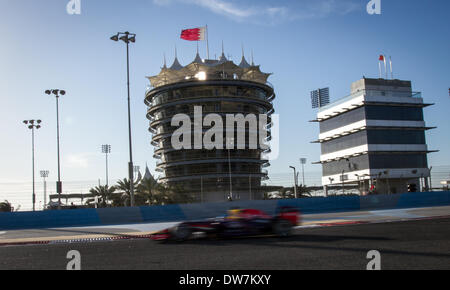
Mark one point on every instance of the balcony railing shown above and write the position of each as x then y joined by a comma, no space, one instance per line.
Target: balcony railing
224,174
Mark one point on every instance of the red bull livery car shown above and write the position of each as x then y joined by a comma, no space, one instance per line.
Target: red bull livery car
238,222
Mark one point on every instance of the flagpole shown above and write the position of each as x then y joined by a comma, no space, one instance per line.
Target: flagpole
379,67
390,62
207,42
385,66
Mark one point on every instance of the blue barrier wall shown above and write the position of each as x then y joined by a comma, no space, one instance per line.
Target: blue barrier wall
170,213
48,219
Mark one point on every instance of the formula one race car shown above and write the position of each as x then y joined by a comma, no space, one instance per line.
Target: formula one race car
238,222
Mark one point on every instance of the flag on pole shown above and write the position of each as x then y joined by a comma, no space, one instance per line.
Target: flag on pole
193,34
380,59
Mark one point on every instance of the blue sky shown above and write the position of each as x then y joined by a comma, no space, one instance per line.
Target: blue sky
306,44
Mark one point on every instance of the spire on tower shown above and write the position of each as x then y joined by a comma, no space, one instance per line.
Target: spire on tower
253,64
176,64
222,58
244,63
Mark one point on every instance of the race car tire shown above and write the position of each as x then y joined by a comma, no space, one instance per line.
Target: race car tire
182,233
282,228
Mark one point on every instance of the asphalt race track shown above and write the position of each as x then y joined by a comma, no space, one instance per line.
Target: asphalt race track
419,244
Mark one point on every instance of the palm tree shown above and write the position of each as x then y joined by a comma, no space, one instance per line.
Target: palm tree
105,193
5,206
148,191
287,193
124,186
303,191
155,193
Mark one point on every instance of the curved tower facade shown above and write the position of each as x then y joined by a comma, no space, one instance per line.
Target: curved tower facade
216,87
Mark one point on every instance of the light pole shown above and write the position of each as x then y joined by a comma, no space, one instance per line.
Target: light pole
57,92
31,125
303,162
343,177
295,181
106,149
44,174
331,183
359,183
128,37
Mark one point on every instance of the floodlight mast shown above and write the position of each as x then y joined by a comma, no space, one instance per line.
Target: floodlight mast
57,92
128,37
303,162
31,125
106,149
44,175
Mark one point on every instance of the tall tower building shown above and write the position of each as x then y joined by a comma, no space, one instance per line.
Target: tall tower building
375,138
220,87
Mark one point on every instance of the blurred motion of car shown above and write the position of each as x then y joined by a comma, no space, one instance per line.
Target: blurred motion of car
237,222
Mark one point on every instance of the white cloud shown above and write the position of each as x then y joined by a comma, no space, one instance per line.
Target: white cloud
225,8
238,12
258,12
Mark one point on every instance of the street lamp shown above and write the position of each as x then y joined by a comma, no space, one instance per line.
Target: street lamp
106,149
44,175
128,37
295,181
359,183
57,92
33,124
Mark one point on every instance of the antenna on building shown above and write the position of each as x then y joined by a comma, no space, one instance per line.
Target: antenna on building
320,98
